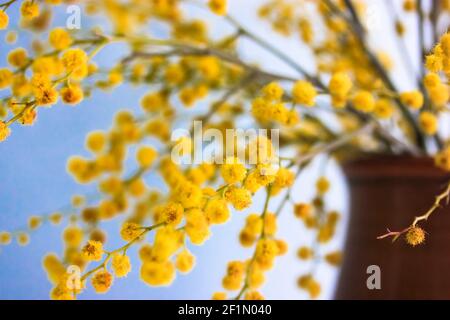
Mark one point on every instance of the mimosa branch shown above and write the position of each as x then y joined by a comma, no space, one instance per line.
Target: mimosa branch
369,127
360,34
437,204
121,249
184,49
440,198
248,270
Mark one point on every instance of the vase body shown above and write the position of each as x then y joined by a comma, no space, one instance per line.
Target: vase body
388,192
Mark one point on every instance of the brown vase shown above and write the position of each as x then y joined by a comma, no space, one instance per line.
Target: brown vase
388,192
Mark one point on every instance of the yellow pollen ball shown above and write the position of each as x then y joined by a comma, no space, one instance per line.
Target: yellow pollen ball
29,9
233,171
34,222
188,194
340,84
442,159
59,39
334,258
384,109
364,101
11,36
151,102
74,60
18,57
413,99
6,77
415,236
96,141
219,296
302,210
439,94
55,218
219,7
305,253
304,93
73,236
428,123
158,274
434,63
5,238
72,95
432,80
185,261
102,281
217,211
145,156
93,250
240,198
322,185
23,239
409,5
130,231
253,295
172,214
272,91
4,20
445,44
121,265
4,131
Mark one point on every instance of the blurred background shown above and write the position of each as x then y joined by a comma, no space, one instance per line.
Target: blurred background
33,178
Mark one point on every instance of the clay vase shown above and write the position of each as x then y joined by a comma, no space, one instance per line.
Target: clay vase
388,192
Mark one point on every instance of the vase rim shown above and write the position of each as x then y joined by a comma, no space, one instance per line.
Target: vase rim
393,166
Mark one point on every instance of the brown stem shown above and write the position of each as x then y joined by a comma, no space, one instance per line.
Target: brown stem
394,234
190,50
401,41
125,247
360,33
421,35
445,195
278,53
343,140
435,19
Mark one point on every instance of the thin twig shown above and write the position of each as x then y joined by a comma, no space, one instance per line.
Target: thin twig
421,35
359,32
123,248
401,40
276,52
343,140
436,205
191,50
445,195
262,236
